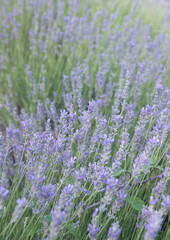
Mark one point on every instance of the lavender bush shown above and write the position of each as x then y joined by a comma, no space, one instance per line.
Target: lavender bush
84,122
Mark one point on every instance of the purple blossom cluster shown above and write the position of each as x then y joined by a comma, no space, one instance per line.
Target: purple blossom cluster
92,145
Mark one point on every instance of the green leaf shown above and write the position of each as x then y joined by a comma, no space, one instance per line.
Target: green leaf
70,180
119,172
135,202
72,229
48,218
154,166
78,195
140,176
160,168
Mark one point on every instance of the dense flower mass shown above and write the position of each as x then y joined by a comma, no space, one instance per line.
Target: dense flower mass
84,122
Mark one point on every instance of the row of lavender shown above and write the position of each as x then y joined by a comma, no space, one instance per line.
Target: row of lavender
86,151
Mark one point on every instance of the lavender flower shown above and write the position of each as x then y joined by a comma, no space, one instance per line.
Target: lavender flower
19,209
123,151
93,228
58,217
106,153
3,195
114,231
153,225
165,202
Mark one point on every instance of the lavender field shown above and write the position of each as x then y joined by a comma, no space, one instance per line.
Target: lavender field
84,120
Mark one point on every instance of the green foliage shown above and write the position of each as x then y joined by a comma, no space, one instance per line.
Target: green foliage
135,202
53,66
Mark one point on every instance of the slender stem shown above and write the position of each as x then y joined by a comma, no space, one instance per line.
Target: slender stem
149,179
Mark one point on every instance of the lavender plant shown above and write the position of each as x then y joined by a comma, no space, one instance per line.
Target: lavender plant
84,122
